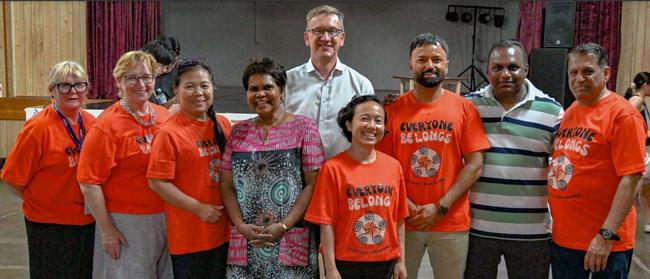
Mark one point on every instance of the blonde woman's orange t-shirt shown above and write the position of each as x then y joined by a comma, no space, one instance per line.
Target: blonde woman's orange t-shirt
44,162
115,156
185,152
363,203
429,140
594,147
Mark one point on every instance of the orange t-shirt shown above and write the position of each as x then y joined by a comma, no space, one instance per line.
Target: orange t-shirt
115,156
594,147
185,152
44,162
429,140
363,203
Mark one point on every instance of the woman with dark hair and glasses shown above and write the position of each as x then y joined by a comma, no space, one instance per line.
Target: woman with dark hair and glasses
130,241
360,200
42,170
184,172
268,172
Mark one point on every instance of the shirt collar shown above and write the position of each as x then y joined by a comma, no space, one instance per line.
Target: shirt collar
339,67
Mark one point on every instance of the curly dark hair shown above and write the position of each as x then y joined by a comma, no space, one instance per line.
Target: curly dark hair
347,113
266,66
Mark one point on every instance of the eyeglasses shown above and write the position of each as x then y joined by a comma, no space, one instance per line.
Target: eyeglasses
330,32
134,79
66,88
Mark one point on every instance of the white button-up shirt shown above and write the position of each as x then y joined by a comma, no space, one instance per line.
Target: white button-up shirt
309,94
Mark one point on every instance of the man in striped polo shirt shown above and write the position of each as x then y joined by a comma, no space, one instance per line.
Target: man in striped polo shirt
508,206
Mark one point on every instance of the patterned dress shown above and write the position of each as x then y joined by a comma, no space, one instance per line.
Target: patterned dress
268,179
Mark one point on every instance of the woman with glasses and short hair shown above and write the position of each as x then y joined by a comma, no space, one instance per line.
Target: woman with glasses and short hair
41,169
130,241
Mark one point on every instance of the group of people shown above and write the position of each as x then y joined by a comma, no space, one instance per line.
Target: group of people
144,191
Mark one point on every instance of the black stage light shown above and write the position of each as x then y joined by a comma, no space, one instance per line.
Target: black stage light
498,19
451,15
466,17
485,18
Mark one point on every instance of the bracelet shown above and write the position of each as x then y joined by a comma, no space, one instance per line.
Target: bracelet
284,226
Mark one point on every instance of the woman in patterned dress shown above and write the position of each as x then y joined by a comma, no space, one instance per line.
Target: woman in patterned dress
268,171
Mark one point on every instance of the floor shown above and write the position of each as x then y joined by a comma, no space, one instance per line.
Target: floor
13,244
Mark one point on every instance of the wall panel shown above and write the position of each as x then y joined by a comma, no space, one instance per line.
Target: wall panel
44,33
635,42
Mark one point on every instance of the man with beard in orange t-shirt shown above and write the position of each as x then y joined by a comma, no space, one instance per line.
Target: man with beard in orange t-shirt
438,138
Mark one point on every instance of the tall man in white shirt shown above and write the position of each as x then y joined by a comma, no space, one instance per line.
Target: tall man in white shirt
322,86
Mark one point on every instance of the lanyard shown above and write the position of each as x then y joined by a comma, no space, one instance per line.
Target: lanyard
68,127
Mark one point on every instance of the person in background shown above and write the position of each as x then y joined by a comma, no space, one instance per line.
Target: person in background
268,174
319,88
184,171
166,50
130,240
636,94
41,169
362,228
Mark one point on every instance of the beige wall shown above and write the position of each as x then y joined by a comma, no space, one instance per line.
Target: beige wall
33,37
38,35
635,43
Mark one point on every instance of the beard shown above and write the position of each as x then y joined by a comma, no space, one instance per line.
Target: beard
429,82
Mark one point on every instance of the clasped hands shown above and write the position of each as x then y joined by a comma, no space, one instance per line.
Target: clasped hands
423,217
262,236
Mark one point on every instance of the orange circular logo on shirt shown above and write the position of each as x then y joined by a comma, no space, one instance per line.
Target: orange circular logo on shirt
560,173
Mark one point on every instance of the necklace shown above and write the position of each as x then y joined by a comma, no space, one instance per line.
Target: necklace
264,133
138,119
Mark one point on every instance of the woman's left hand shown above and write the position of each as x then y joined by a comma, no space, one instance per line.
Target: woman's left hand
399,271
271,233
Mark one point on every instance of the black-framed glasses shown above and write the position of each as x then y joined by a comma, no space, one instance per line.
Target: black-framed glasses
333,32
133,79
66,88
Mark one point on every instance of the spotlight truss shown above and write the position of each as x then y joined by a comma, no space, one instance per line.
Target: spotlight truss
471,14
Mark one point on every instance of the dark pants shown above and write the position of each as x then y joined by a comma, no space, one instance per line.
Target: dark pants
524,259
363,270
569,263
60,251
199,265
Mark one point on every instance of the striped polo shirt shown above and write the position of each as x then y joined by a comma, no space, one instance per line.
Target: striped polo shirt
509,199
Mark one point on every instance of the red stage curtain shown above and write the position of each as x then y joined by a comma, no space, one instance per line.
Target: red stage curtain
531,24
600,22
114,28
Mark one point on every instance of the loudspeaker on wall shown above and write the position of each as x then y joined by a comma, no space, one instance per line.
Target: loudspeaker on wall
559,23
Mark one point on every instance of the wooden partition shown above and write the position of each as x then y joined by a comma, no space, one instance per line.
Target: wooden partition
33,37
635,43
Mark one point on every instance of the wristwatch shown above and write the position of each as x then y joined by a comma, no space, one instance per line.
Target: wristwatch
608,235
442,210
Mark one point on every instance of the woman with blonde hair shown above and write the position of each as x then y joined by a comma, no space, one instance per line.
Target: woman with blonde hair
130,240
41,169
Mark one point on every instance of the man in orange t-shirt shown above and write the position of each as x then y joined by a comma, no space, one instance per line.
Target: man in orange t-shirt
597,161
438,138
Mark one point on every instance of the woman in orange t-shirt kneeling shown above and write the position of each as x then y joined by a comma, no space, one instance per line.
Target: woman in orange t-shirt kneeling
41,169
360,200
184,171
130,240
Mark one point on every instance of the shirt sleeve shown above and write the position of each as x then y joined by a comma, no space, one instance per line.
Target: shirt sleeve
312,147
24,158
403,209
164,153
324,201
366,88
98,157
628,144
473,135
